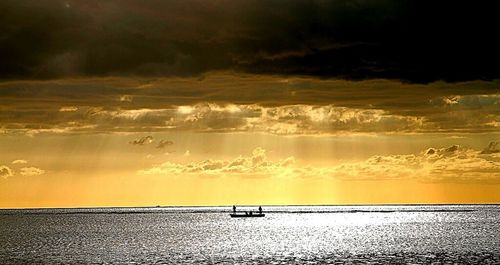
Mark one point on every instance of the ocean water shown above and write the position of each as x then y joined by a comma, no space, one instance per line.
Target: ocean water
292,234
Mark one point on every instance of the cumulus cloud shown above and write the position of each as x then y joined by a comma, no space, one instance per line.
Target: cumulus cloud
452,164
31,171
19,161
142,141
255,165
5,172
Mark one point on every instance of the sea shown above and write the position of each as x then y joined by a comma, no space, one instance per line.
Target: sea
384,234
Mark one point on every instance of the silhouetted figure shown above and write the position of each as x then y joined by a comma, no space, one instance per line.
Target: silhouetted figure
234,209
260,210
250,213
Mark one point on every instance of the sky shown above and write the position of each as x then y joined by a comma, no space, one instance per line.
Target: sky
144,103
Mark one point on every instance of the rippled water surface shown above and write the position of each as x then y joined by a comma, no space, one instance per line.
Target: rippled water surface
292,234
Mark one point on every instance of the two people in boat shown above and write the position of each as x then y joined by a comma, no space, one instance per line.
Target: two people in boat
246,213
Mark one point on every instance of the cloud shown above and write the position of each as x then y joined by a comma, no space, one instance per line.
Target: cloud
223,102
68,109
452,164
303,119
19,161
341,39
294,119
142,141
5,172
126,98
493,148
31,171
282,120
255,165
164,143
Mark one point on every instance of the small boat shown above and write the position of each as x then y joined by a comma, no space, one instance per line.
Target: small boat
235,215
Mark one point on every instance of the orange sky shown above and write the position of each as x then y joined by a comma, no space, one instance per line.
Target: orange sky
151,191
246,139
225,169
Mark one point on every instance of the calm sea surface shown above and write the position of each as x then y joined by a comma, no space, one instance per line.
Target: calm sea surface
292,234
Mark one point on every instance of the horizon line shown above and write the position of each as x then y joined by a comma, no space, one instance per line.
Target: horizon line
256,205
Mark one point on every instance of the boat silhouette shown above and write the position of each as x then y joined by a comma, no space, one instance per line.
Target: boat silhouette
236,215
246,214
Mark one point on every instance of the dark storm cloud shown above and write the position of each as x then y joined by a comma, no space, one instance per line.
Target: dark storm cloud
418,41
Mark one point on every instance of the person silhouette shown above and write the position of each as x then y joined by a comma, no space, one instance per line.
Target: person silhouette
260,210
234,209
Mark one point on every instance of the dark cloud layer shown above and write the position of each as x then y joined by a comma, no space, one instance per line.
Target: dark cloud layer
233,103
418,41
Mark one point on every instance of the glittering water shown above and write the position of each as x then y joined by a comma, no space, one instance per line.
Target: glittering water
375,234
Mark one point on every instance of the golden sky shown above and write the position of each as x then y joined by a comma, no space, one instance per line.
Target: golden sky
283,141
133,103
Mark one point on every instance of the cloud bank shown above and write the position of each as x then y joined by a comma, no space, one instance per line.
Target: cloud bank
281,120
452,164
417,41
254,166
223,102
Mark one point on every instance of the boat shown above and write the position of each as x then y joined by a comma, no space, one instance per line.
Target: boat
237,215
